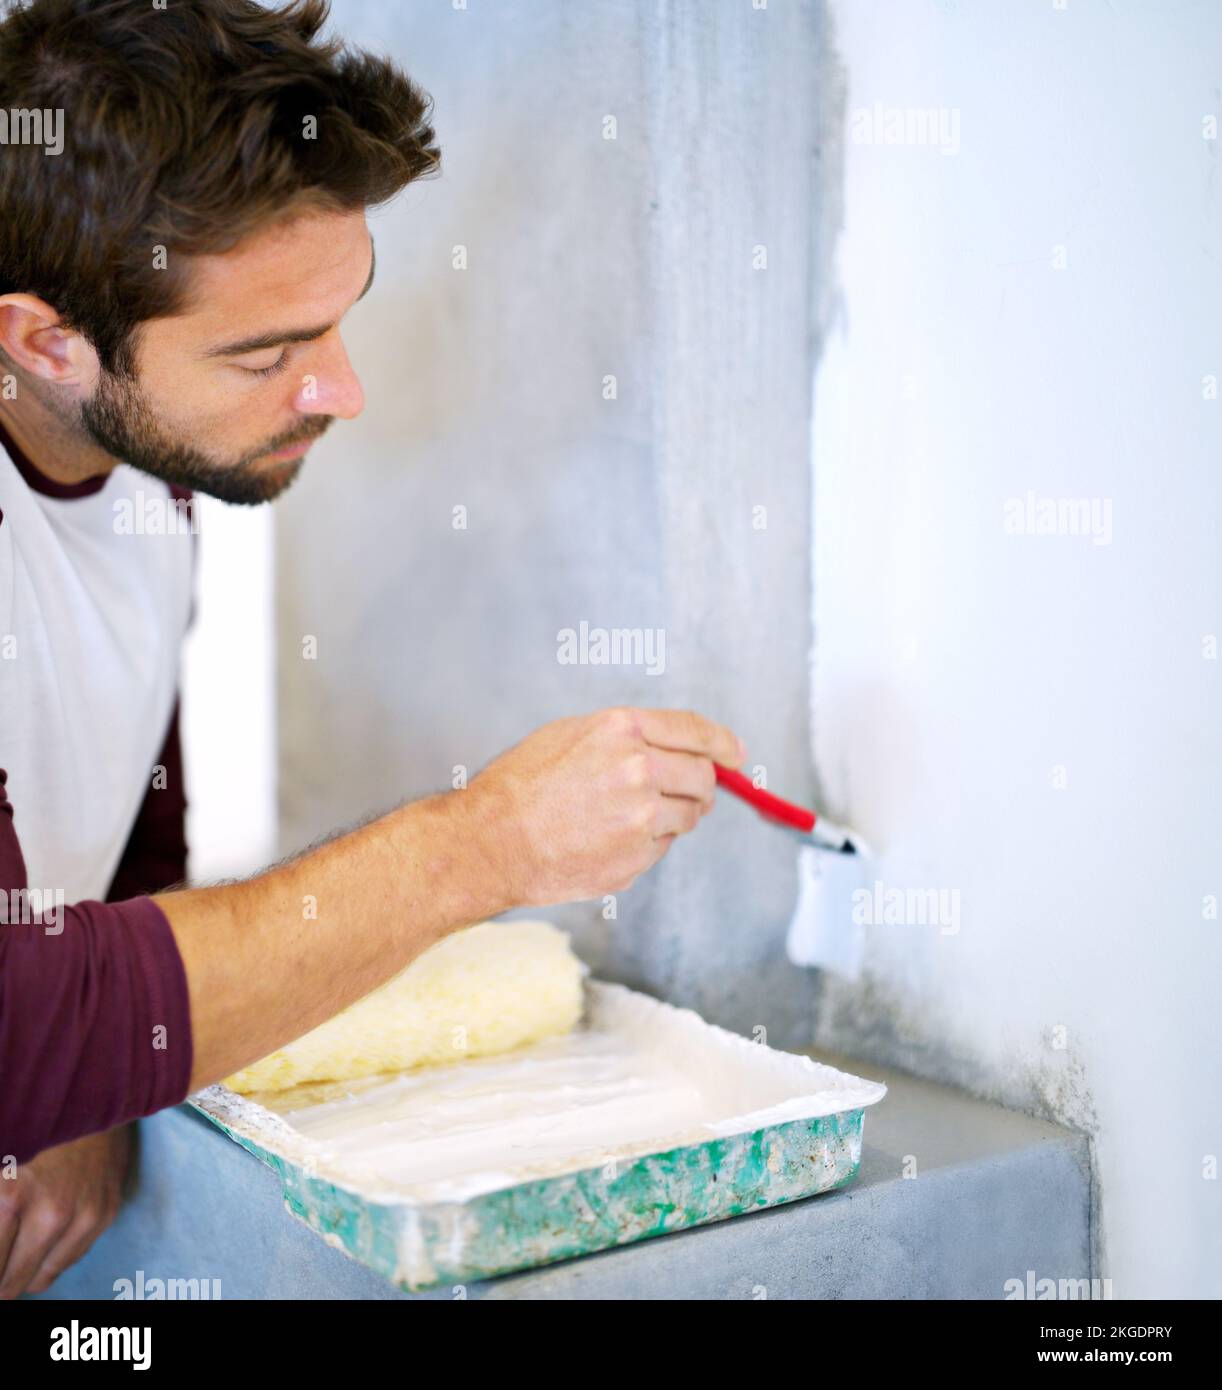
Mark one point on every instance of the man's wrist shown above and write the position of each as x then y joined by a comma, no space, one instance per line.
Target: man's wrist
473,852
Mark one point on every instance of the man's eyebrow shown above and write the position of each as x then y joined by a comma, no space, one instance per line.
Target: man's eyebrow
291,335
268,340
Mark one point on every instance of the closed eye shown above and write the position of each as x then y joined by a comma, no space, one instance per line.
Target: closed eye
277,366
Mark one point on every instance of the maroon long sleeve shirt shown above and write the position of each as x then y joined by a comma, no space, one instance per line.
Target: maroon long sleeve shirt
95,1027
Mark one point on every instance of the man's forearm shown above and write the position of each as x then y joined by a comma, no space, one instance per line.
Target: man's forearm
276,955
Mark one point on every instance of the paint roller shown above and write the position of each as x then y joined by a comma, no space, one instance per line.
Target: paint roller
479,992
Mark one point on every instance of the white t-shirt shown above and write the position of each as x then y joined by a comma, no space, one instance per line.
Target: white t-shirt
95,598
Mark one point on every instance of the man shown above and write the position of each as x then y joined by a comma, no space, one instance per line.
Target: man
172,283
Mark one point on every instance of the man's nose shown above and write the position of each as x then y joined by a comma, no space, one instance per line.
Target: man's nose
333,388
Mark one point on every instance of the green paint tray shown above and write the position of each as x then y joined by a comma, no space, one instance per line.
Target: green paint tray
643,1121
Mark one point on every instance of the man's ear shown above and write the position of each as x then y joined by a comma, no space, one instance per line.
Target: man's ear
34,339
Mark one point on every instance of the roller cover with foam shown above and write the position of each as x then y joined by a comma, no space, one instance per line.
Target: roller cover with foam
483,990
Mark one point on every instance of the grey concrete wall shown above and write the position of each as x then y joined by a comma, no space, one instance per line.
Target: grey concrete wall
639,258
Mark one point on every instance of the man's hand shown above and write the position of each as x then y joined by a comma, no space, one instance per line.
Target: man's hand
587,804
578,809
57,1206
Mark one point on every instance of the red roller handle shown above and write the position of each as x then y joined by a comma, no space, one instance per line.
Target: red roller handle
769,806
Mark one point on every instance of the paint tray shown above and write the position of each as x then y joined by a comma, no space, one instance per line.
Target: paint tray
642,1121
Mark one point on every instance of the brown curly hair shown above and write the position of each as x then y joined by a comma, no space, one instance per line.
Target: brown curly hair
185,127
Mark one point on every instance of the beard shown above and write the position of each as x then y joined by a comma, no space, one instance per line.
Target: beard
119,420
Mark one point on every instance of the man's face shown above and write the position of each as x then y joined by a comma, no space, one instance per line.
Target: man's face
230,394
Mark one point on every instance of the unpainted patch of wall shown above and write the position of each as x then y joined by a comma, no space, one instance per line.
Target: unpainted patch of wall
675,259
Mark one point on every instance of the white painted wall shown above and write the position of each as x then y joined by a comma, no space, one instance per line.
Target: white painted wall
228,723
964,674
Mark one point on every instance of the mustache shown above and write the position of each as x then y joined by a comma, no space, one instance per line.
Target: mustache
317,428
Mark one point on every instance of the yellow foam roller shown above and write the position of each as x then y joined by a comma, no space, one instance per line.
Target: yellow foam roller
480,991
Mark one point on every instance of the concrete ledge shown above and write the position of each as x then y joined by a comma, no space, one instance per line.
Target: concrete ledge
996,1194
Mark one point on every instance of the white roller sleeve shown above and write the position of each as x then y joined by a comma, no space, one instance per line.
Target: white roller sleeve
487,989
